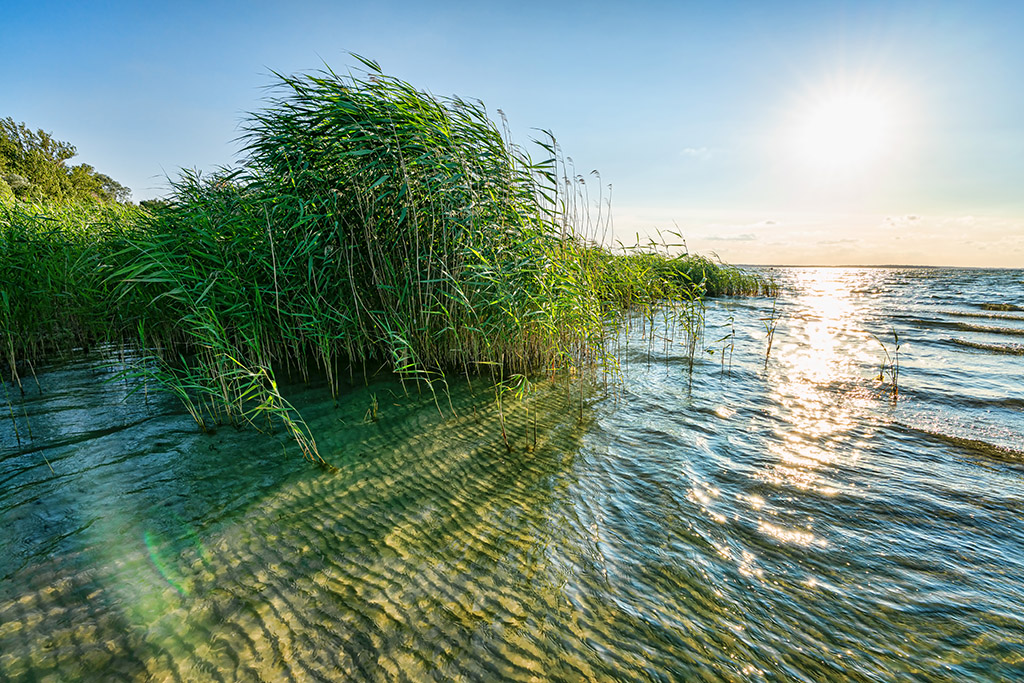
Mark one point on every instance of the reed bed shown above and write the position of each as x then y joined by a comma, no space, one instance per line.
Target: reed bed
369,224
55,287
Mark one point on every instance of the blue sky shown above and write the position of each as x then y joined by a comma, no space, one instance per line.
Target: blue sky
687,109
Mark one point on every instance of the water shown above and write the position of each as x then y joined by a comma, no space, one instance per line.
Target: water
788,520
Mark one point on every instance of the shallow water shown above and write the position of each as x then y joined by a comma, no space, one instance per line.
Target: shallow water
753,520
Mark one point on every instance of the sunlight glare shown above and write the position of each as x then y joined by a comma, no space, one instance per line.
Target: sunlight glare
843,131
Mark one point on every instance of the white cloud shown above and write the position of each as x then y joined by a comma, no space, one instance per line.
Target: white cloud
702,153
901,221
744,237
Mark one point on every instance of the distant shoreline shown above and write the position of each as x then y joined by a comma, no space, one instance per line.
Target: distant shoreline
895,265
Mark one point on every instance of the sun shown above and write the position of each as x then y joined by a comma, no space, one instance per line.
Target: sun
843,131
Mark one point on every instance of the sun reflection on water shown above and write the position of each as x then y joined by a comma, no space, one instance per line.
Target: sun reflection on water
817,377
786,535
826,340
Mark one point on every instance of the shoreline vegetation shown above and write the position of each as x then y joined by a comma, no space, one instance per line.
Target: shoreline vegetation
369,224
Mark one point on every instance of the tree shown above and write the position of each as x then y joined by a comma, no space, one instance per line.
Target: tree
155,205
6,193
33,165
86,182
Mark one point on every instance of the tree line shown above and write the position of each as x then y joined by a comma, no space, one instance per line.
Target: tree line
34,167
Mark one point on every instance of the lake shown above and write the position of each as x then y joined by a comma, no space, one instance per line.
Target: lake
751,515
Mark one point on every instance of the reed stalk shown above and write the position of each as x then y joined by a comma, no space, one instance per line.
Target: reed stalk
368,224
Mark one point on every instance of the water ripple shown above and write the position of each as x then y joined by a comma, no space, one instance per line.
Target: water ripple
787,518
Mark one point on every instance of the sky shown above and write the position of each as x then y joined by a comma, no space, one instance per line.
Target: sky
799,133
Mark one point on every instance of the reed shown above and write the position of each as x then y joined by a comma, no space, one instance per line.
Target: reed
55,260
770,324
890,364
370,224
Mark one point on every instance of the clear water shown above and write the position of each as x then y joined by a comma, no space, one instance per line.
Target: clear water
787,520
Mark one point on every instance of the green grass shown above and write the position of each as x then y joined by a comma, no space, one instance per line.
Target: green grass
55,287
370,224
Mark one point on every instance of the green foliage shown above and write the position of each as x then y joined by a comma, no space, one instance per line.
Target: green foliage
6,193
154,205
370,224
86,182
33,165
55,261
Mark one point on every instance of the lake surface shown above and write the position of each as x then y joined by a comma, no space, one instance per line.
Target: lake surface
779,518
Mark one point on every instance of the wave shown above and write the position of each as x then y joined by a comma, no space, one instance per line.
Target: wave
1001,307
960,402
987,448
972,327
987,329
1011,349
966,327
992,316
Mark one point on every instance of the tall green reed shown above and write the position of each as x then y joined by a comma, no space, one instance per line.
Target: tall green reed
55,261
369,224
